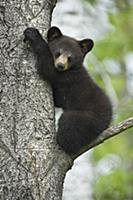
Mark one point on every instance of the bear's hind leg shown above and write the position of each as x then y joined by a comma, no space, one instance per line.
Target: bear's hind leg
76,130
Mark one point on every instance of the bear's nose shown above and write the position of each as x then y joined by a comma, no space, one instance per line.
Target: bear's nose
60,67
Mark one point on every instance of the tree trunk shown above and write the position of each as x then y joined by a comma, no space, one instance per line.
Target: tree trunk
31,165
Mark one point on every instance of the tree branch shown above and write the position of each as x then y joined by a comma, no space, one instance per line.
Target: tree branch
108,133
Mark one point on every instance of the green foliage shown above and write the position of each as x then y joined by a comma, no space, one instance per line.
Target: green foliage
119,83
112,146
115,186
125,110
119,41
118,185
91,1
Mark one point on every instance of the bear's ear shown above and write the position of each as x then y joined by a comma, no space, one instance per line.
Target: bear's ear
86,45
53,33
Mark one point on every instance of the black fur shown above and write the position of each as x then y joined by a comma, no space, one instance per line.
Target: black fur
87,110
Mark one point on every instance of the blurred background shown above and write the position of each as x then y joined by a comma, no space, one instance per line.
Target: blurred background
106,172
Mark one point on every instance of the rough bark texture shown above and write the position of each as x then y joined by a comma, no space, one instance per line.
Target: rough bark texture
31,165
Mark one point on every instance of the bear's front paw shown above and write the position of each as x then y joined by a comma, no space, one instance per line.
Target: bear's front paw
31,35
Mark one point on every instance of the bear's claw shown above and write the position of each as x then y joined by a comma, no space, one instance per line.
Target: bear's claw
31,34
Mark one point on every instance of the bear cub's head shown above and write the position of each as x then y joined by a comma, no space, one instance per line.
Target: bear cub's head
68,53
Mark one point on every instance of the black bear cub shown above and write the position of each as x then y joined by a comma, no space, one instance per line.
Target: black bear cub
87,111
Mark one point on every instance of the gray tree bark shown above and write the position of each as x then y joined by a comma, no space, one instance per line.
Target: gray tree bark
31,165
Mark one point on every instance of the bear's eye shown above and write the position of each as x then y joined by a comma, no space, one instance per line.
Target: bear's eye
57,54
69,58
